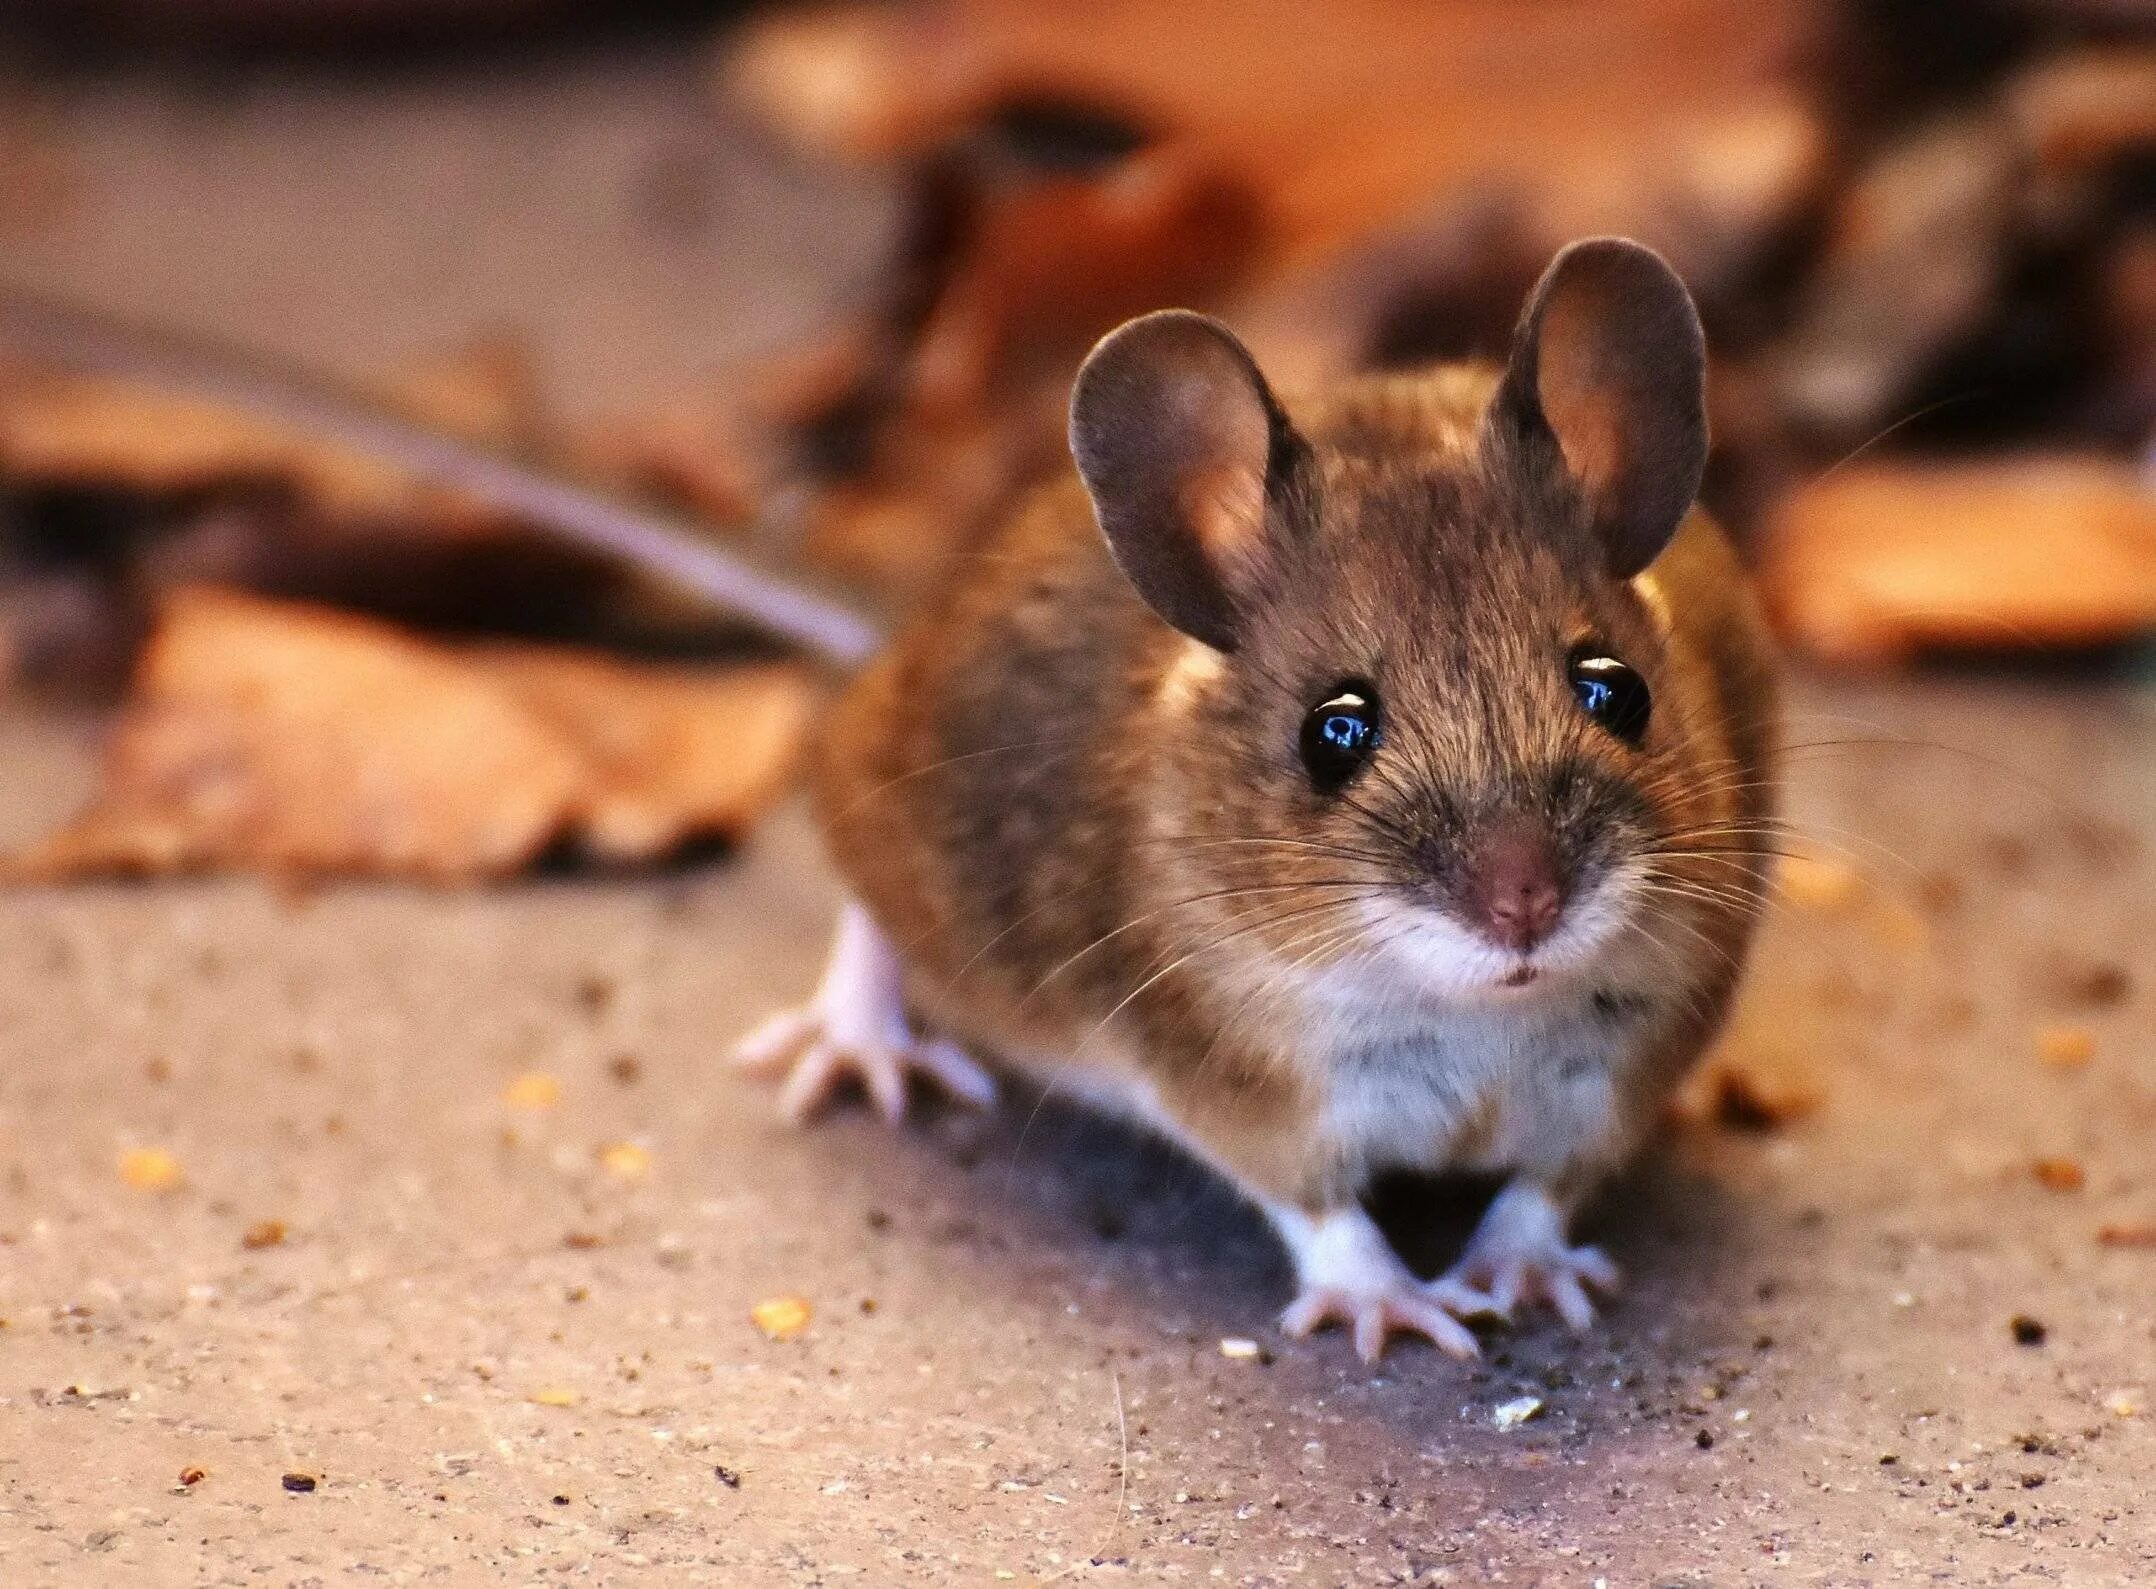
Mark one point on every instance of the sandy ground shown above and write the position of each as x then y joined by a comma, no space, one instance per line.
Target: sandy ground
508,1354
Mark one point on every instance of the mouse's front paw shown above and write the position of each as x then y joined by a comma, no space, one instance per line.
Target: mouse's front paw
854,1029
1374,1315
1346,1273
820,1057
1519,1254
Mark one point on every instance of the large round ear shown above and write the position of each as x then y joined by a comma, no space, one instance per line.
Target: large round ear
1179,441
1609,361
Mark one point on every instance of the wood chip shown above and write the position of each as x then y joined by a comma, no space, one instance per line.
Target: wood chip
263,1233
1874,563
290,739
2136,1234
2059,1175
554,1396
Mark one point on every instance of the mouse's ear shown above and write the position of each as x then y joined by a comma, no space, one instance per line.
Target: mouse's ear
1609,362
1179,441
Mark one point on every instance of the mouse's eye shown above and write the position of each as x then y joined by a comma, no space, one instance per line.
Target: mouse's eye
1613,695
1339,735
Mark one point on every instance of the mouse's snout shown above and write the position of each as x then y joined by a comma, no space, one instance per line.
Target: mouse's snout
1513,888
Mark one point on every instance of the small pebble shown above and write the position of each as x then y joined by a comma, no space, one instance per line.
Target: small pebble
301,1483
1511,1414
2028,1331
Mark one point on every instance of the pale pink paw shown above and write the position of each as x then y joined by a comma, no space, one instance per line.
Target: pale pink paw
819,1064
1519,1254
1346,1273
1373,1318
854,1029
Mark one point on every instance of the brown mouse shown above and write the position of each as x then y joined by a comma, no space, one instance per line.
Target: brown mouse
1380,782
1384,781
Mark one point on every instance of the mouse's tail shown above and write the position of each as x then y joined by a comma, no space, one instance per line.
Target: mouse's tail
737,584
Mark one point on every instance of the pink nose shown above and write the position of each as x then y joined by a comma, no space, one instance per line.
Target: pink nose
1515,890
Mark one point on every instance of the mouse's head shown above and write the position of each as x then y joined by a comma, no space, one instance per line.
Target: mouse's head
1424,702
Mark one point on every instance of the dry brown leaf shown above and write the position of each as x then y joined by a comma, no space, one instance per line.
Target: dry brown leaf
276,737
1876,562
1387,107
1748,1090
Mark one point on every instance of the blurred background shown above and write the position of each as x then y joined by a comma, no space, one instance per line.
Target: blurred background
812,281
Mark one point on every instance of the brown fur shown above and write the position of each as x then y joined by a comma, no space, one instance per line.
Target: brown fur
1090,839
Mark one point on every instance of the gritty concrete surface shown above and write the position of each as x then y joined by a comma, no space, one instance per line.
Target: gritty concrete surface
509,1361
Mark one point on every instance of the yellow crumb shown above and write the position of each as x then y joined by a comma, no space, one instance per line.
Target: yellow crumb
625,1160
151,1169
781,1318
2066,1046
534,1090
554,1396
1818,882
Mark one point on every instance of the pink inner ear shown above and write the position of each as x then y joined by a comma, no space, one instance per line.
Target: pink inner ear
1582,400
1225,508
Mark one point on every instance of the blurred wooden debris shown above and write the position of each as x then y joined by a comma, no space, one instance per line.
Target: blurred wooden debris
1878,562
296,740
1896,245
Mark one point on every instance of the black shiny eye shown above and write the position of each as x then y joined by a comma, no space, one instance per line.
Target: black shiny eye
1339,735
1613,695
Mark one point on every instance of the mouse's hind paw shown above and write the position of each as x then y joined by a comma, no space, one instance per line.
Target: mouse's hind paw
854,1029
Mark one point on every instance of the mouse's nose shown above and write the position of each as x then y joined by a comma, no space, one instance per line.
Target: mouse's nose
1514,891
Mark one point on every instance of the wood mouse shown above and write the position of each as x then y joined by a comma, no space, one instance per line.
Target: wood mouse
1383,781
1377,783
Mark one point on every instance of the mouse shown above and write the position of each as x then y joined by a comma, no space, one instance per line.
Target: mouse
1381,779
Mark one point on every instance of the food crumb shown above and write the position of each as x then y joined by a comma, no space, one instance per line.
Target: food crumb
534,1090
781,1318
2066,1047
2141,1234
1511,1414
726,1476
1238,1348
2028,1331
625,1068
2059,1175
1704,1440
1819,883
301,1483
2122,1404
554,1396
625,1161
263,1233
151,1169
190,1476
